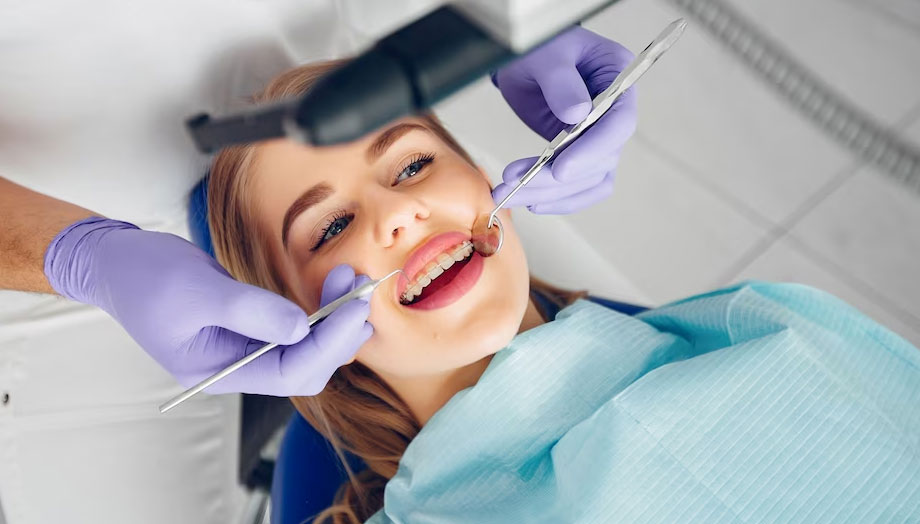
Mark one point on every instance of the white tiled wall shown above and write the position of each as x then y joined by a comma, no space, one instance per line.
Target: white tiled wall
905,13
718,121
851,45
724,181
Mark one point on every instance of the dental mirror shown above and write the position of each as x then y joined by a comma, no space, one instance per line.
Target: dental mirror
487,241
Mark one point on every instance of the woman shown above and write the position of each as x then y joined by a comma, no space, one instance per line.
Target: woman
286,217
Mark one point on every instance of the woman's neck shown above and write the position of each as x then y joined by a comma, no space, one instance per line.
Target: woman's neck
426,395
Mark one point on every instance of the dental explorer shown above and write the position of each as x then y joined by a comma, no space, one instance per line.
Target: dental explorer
487,242
364,290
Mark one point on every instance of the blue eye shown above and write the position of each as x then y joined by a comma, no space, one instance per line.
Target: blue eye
414,167
333,228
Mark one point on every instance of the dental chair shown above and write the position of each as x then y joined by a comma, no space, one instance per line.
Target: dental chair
305,475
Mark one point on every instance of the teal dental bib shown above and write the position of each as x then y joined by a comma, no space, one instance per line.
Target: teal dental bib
758,403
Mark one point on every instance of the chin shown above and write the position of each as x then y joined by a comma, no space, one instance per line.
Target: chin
478,317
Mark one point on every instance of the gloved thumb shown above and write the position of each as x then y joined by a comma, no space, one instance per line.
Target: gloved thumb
260,314
565,92
340,280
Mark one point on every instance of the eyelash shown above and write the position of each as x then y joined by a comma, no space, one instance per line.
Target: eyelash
422,158
335,218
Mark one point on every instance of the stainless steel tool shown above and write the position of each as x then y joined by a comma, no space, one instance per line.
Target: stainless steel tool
487,243
323,312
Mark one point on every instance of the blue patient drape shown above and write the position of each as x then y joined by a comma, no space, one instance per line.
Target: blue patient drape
757,403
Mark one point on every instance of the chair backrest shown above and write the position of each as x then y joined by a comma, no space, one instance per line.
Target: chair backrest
198,217
307,474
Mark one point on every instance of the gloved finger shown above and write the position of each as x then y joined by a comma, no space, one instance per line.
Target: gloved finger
288,370
545,178
502,190
338,281
256,313
577,201
564,90
602,63
360,280
539,195
515,170
512,175
601,144
305,368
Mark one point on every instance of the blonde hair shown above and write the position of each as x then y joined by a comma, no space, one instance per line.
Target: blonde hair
357,411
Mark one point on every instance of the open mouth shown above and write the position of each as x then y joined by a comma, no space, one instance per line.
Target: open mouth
443,270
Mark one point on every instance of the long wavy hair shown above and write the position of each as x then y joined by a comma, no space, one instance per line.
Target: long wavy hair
357,411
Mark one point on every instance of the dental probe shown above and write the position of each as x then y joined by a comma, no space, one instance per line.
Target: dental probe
361,291
485,243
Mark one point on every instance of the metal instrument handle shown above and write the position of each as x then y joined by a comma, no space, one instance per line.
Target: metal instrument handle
601,103
360,291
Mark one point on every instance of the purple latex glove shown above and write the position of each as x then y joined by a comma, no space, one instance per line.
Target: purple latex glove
552,87
194,319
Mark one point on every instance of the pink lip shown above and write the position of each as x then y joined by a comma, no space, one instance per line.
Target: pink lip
425,254
456,288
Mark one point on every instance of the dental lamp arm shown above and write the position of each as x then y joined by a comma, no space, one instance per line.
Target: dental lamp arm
404,73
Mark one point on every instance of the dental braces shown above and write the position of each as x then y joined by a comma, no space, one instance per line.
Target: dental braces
436,268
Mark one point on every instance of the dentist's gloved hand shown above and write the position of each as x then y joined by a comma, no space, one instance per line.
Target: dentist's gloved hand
552,87
194,319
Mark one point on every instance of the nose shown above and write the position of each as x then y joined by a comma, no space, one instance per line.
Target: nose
398,214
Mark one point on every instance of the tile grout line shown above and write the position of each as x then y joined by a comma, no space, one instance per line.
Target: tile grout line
717,16
815,99
864,288
846,174
487,157
784,228
781,229
691,173
775,230
909,118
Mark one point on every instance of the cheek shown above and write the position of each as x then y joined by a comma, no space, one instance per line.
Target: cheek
309,287
312,273
460,191
404,346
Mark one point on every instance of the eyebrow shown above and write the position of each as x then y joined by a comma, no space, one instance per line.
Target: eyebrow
305,201
322,190
388,137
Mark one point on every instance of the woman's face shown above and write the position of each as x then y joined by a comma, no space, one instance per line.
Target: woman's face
395,199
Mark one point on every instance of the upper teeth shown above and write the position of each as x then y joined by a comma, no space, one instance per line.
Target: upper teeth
436,267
